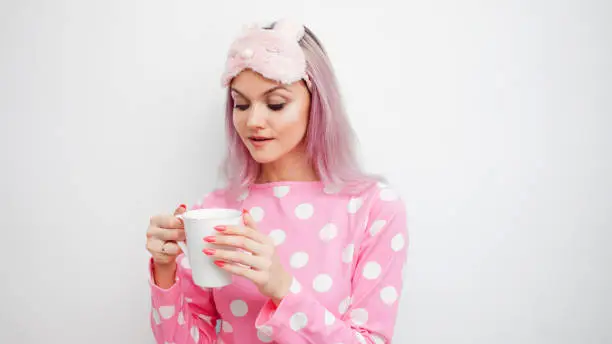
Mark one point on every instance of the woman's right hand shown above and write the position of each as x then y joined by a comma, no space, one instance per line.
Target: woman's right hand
163,233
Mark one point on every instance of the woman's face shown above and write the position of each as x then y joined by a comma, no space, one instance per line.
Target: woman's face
270,118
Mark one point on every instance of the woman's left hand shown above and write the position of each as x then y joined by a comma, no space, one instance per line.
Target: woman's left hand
262,266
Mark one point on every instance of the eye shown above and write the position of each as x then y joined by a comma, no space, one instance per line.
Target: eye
241,107
276,107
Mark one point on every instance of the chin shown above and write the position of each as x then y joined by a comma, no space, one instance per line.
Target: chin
264,157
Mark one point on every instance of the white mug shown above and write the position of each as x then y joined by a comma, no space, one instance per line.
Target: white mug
200,223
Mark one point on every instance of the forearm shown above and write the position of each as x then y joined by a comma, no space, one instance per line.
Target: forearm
164,275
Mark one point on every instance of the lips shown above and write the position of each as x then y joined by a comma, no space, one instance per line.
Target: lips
259,138
259,141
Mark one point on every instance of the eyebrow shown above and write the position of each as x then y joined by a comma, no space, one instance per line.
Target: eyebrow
280,87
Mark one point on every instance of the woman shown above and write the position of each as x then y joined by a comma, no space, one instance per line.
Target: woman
328,242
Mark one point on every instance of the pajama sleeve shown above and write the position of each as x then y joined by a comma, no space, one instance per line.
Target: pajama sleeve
368,315
179,319
184,313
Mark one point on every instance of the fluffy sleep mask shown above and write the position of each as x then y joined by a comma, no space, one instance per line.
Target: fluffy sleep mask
274,53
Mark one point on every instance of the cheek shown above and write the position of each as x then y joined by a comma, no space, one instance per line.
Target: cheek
237,122
290,117
291,129
294,114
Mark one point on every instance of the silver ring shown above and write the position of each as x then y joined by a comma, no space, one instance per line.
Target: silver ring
163,248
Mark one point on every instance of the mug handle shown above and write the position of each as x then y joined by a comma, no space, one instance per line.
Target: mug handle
182,244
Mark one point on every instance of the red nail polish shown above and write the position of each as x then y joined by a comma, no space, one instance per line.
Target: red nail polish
209,251
183,206
210,239
219,263
244,211
220,228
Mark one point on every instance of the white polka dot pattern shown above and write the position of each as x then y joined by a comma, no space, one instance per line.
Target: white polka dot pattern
257,213
377,226
359,316
371,270
344,305
281,191
243,196
335,244
397,243
329,318
299,260
328,232
166,312
354,205
206,318
239,308
360,338
195,334
298,321
156,316
377,339
295,287
322,283
226,326
304,211
264,334
332,189
347,253
278,236
388,295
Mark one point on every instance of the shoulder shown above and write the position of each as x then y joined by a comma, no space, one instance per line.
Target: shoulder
382,198
386,221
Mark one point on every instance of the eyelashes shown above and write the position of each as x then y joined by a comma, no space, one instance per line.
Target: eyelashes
276,107
273,107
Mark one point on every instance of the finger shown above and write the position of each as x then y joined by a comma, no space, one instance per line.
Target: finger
250,274
244,231
255,262
166,221
248,219
166,234
238,241
159,247
181,209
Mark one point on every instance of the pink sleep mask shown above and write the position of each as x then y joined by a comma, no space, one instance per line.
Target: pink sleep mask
274,53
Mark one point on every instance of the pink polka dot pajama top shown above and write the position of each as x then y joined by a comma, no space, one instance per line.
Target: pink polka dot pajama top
346,253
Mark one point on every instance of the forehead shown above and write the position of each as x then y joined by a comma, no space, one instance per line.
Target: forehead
253,84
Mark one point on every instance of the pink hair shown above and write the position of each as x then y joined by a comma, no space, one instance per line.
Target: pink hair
330,139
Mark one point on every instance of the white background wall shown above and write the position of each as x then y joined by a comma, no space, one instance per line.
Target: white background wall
492,118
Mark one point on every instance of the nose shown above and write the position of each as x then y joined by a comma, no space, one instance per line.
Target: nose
257,116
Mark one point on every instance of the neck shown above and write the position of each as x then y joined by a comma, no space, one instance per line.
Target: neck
294,166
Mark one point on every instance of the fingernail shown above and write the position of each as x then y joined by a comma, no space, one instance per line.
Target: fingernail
210,239
209,251
244,211
219,263
183,206
220,228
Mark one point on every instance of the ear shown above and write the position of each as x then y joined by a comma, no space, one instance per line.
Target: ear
289,29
